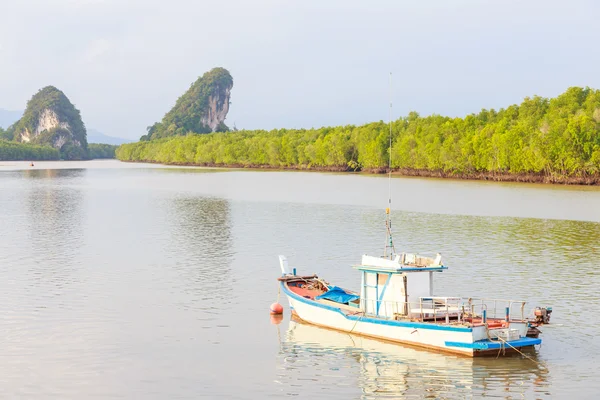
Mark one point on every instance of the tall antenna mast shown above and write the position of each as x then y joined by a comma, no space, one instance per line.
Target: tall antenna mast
389,243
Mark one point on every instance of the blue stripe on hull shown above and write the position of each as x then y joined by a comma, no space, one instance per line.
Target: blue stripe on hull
400,324
495,345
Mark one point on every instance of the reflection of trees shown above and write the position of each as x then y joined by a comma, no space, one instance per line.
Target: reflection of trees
483,250
572,240
452,233
55,219
201,245
63,174
331,358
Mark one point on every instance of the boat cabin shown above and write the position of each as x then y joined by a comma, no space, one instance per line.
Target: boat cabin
398,287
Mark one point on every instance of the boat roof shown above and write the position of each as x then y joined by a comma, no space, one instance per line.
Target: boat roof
400,263
402,269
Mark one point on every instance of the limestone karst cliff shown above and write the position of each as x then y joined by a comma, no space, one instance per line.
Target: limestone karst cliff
51,119
202,109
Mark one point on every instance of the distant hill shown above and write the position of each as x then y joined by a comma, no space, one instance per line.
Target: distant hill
51,119
202,109
8,117
95,136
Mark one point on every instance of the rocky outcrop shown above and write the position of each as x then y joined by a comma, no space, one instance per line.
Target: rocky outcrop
48,120
218,107
51,119
202,109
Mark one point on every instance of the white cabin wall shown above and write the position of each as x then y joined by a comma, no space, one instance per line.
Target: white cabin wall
419,284
393,299
394,293
370,293
395,289
363,293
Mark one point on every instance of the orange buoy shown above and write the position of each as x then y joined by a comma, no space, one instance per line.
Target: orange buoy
276,308
276,319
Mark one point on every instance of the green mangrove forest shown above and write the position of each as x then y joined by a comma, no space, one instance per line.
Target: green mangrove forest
541,139
101,150
13,151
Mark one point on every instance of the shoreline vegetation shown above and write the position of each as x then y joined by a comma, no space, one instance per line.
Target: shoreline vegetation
15,151
97,151
541,140
589,180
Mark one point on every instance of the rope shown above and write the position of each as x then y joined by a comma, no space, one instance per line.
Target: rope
359,318
503,350
523,354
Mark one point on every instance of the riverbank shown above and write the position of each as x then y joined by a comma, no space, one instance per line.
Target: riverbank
592,180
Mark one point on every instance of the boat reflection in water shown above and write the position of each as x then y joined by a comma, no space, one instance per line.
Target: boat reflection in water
337,363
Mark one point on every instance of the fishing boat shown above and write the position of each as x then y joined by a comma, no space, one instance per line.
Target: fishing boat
396,303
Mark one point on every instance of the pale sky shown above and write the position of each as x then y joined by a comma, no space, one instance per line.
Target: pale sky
309,63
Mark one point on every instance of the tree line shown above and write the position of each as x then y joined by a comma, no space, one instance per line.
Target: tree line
101,150
16,151
557,136
13,151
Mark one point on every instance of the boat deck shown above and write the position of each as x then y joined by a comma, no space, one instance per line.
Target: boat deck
306,291
311,287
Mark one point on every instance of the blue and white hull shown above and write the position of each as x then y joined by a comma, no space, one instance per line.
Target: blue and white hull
468,341
396,304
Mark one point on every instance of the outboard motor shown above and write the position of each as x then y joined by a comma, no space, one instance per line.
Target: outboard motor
542,315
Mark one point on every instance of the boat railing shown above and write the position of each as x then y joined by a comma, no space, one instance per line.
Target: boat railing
494,308
462,310
426,308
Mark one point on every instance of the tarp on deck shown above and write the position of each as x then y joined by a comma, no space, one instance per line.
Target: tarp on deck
338,295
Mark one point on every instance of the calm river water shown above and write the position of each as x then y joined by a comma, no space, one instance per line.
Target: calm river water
142,281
